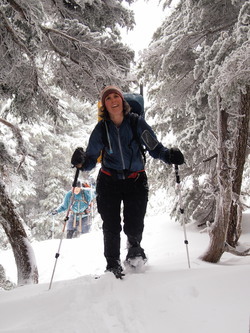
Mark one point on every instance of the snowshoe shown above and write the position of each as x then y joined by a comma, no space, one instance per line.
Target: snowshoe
135,258
116,270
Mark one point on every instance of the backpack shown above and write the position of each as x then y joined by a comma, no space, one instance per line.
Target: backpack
136,103
78,200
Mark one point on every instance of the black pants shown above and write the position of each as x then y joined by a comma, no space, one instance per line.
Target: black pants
110,194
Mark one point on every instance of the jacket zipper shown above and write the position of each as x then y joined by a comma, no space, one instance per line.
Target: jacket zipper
120,148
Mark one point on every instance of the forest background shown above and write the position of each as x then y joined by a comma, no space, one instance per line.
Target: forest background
56,57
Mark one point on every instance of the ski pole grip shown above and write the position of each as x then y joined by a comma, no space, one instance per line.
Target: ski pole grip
177,174
76,177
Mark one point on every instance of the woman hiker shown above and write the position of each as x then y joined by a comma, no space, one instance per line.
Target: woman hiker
78,216
122,177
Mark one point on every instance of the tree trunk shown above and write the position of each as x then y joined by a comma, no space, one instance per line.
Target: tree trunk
234,228
230,165
219,228
24,256
223,204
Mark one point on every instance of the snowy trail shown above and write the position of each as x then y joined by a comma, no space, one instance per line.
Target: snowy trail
167,297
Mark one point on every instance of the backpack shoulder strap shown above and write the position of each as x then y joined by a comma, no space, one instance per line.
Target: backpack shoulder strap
134,117
105,134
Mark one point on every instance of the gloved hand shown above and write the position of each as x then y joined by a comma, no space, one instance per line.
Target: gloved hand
78,157
54,212
176,156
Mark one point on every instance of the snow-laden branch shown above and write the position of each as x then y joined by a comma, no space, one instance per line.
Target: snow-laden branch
17,134
18,8
85,45
16,38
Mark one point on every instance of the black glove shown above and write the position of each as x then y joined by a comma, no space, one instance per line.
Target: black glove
78,157
54,212
176,156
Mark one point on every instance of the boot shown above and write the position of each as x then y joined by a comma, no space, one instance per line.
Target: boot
134,248
135,252
76,234
70,234
114,266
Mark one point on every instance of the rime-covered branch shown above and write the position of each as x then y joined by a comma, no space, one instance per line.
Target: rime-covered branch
17,134
16,38
55,43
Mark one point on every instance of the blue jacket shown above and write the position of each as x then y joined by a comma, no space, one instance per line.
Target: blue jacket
81,201
120,151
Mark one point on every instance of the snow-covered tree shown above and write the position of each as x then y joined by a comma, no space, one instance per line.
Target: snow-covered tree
53,176
73,45
197,71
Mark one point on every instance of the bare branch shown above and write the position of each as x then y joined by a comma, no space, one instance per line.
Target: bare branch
210,158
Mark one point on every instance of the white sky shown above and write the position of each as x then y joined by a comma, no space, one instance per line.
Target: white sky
148,17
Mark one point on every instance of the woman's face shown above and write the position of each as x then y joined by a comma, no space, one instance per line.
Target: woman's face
114,104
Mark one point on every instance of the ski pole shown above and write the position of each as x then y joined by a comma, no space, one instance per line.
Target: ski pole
64,225
178,181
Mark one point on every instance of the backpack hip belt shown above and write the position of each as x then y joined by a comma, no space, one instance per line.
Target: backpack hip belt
126,173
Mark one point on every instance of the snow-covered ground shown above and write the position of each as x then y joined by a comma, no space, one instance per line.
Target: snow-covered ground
167,297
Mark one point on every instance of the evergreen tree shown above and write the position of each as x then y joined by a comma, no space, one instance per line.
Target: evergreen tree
189,70
72,45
